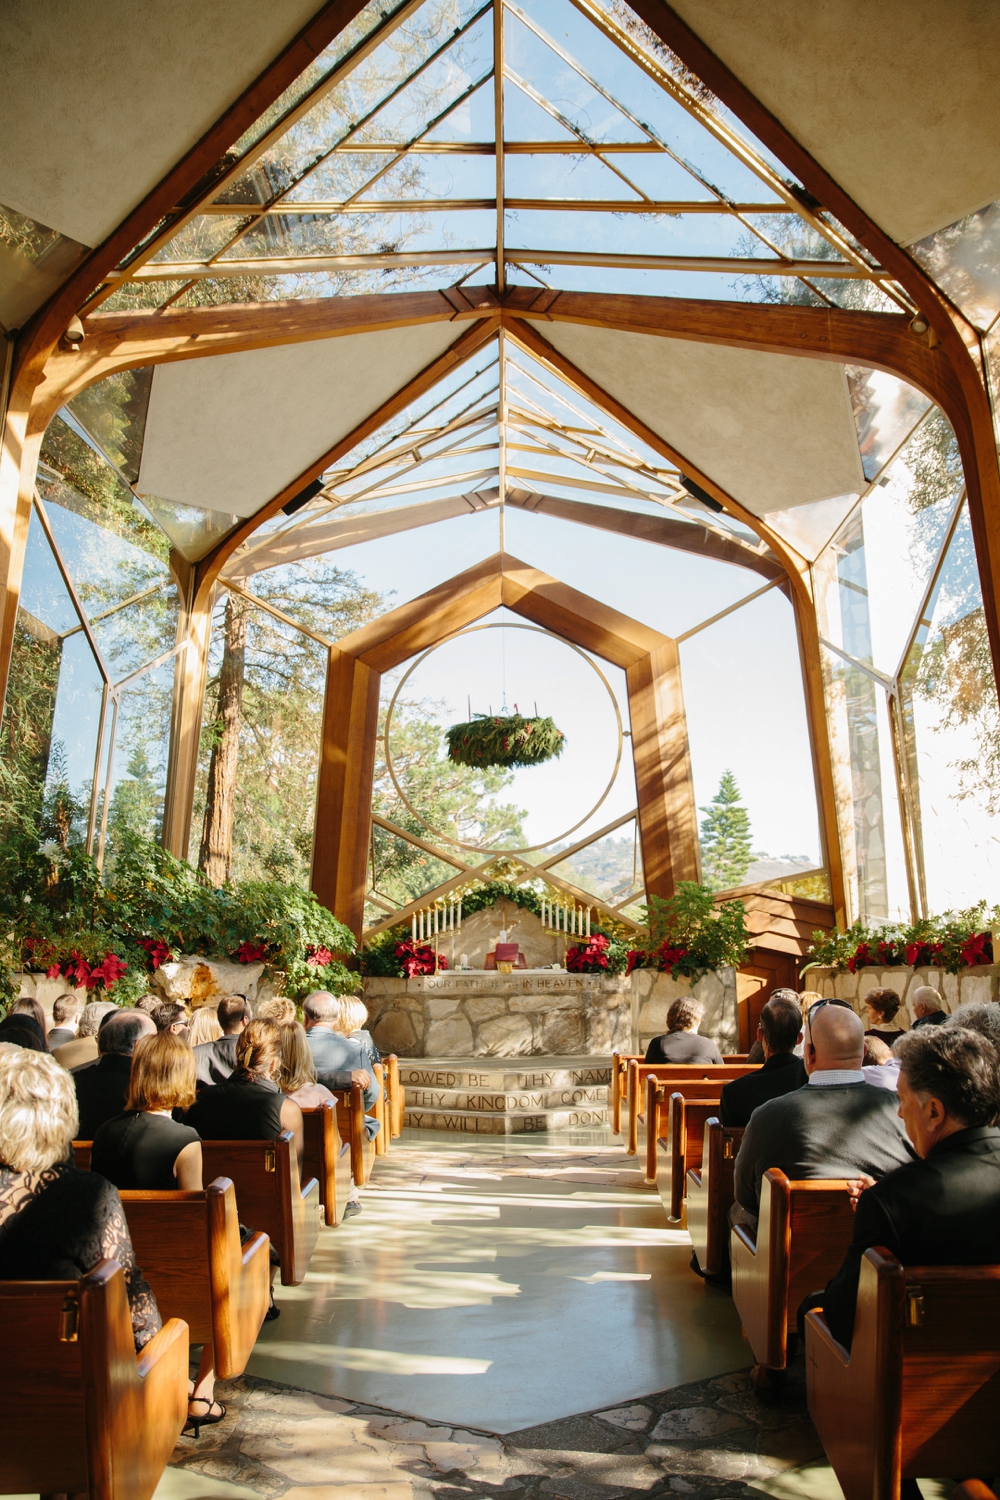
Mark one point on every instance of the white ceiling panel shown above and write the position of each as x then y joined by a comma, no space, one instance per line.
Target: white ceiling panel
229,432
897,100
100,98
774,430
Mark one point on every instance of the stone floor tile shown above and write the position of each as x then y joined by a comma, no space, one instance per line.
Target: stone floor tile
632,1418
397,1490
694,1422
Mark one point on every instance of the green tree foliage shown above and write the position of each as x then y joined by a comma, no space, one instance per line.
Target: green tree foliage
726,845
27,726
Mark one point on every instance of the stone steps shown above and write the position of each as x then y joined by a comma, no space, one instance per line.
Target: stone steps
506,1096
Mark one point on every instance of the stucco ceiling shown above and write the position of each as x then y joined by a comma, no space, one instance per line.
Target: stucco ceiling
100,98
230,432
775,431
897,100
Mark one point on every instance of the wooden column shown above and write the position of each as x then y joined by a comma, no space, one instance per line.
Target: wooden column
668,817
18,461
190,677
344,792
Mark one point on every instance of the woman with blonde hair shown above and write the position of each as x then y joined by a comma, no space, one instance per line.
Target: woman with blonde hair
145,1147
205,1026
277,1008
56,1222
298,1071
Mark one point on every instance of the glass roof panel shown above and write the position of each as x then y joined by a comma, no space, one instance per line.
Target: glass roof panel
564,176
435,176
293,236
204,237
114,412
472,121
964,260
689,235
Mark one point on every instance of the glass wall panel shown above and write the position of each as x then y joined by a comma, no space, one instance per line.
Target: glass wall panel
114,412
34,261
964,259
26,733
142,745
610,868
75,729
952,736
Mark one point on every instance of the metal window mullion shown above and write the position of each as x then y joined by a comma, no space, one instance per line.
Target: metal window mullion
151,665
102,666
271,609
912,853
932,583
869,671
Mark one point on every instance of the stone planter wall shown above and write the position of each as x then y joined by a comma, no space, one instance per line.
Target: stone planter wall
653,994
46,991
980,984
500,1015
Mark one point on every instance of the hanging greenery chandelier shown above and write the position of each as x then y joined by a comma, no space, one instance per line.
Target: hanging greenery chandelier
504,740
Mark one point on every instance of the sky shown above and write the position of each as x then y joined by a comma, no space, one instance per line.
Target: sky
741,677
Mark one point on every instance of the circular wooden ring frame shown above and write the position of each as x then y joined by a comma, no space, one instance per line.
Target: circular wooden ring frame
486,848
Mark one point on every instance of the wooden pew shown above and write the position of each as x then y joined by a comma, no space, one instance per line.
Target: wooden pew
396,1094
270,1197
677,1126
82,1412
803,1232
709,1195
351,1124
188,1245
688,1079
620,1062
381,1112
919,1391
327,1158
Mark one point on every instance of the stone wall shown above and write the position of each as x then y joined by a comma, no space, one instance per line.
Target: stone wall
979,984
653,994
500,1015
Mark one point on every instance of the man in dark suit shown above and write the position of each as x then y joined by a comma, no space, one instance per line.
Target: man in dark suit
102,1086
217,1060
837,1126
780,1030
66,1014
943,1209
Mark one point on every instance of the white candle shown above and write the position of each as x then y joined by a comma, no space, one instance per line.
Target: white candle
588,921
460,916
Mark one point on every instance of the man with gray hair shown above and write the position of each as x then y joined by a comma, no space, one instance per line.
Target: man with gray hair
102,1086
927,1007
83,1047
982,1016
340,1060
837,1126
943,1207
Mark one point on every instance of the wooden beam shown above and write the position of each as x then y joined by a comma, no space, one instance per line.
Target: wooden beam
796,567
344,787
190,680
667,815
662,531
576,617
150,337
969,410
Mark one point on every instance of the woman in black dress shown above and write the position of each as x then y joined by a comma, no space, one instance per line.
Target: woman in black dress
56,1223
250,1106
146,1148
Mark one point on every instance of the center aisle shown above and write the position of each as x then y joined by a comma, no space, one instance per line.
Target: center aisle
501,1282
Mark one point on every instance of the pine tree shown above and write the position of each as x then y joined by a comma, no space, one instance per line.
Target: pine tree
725,837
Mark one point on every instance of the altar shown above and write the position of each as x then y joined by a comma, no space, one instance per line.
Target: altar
528,1013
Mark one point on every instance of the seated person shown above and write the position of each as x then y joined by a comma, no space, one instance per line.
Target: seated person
982,1016
878,1064
681,1044
27,1005
204,1026
22,1031
355,1014
942,1209
882,1007
171,1016
66,1012
56,1223
249,1106
83,1047
756,1053
837,1126
144,1146
779,1030
927,1007
340,1058
102,1086
278,1008
298,1081
216,1060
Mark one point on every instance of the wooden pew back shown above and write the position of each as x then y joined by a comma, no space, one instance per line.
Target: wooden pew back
919,1392
351,1124
188,1245
710,1195
676,1125
689,1079
83,1413
381,1112
396,1094
803,1233
327,1158
270,1197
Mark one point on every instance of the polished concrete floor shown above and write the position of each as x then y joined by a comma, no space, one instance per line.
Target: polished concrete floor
501,1282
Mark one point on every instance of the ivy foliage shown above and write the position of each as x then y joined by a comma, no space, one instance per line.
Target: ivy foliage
53,904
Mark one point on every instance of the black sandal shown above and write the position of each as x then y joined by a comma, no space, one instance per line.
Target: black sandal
272,1312
192,1427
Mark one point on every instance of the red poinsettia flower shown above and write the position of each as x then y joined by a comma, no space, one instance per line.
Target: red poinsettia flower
860,958
109,971
157,951
668,956
590,957
318,958
974,950
417,958
251,953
